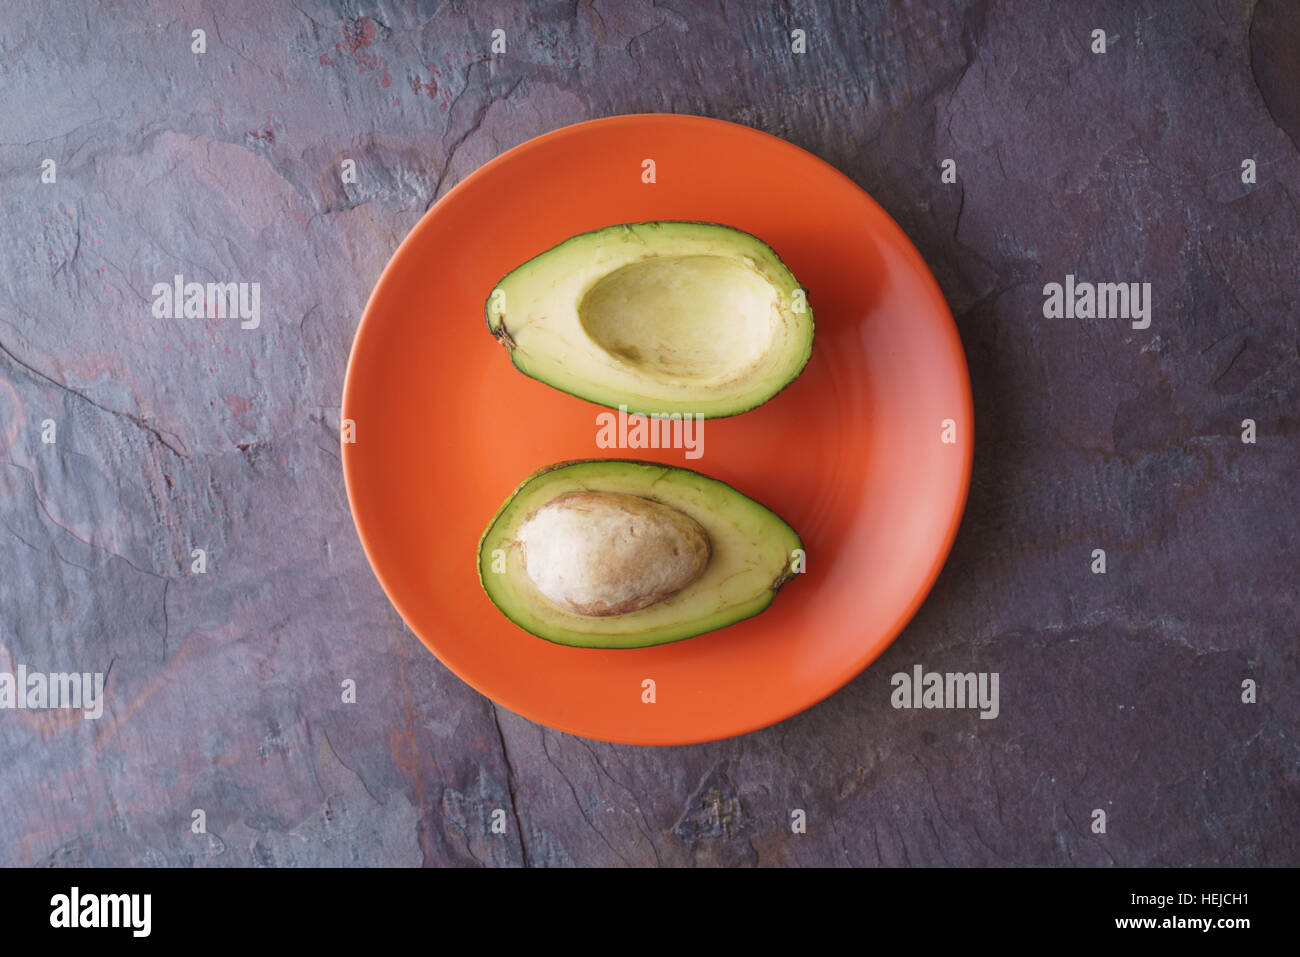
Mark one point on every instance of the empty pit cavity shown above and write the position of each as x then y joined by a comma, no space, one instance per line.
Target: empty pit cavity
683,317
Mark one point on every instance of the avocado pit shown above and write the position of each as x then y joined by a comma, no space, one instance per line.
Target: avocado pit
599,554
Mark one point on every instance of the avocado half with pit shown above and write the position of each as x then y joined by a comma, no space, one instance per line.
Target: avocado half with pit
664,317
609,553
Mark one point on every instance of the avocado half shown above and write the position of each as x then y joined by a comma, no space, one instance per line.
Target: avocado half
661,317
752,554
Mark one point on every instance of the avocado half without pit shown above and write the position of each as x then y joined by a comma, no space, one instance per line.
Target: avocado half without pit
610,553
663,318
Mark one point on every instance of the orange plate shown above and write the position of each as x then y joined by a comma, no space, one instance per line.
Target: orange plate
850,454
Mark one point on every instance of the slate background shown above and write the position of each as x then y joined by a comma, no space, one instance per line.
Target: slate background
1119,692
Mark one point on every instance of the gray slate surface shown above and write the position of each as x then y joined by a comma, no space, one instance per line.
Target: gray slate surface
1119,692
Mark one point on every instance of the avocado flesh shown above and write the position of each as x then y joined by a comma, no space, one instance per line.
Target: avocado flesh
660,317
751,553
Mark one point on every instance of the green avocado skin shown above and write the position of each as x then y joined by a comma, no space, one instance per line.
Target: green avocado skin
665,237
693,611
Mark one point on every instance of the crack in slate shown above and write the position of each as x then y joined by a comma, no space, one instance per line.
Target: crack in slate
135,420
510,784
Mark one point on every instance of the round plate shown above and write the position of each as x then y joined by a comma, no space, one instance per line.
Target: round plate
852,454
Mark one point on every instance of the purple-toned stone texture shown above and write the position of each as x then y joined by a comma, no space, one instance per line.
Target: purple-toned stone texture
1119,692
